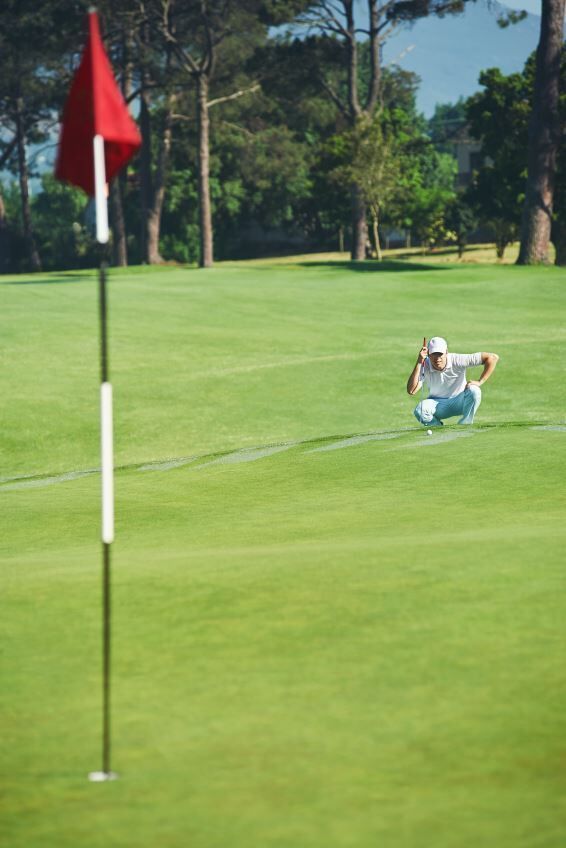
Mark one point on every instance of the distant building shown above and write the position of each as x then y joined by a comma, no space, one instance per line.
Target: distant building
467,151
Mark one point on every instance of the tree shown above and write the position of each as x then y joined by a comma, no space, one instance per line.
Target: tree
142,63
371,153
494,194
340,151
335,20
460,221
160,84
430,196
22,106
33,42
62,226
204,37
544,138
558,231
499,118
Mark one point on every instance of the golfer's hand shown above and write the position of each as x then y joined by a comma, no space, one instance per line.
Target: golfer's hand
473,383
423,353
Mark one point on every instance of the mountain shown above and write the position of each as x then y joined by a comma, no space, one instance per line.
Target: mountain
449,53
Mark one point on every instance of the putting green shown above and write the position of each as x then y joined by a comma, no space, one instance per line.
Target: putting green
329,628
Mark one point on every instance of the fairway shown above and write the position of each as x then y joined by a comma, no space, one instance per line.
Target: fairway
330,630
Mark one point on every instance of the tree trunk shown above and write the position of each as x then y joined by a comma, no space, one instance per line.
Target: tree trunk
359,221
156,208
352,44
119,242
33,255
153,228
500,245
559,241
146,188
544,138
118,187
205,213
377,246
4,239
374,98
359,225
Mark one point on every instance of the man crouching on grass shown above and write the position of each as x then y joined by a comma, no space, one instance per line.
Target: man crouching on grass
450,393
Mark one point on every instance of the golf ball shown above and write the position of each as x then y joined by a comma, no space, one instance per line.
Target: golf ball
429,432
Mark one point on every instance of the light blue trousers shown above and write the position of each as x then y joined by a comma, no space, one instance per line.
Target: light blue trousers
432,410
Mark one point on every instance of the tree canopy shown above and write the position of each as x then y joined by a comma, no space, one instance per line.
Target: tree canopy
265,140
499,117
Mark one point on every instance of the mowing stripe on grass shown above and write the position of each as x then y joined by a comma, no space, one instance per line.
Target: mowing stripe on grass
166,465
436,439
246,455
355,440
39,482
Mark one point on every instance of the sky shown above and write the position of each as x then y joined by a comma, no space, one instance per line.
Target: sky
532,6
449,54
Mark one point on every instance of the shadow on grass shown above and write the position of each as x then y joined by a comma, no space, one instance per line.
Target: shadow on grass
45,280
372,266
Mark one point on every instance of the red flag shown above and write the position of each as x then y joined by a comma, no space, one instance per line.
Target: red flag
95,106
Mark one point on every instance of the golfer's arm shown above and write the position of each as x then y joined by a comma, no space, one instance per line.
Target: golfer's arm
414,383
489,361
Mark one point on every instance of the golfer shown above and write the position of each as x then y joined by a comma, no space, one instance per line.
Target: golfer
450,392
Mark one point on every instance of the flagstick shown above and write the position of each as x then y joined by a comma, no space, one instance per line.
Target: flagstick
107,458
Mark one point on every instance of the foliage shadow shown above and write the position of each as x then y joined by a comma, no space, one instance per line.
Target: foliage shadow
374,266
47,281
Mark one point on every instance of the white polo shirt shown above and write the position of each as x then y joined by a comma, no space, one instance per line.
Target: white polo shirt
451,381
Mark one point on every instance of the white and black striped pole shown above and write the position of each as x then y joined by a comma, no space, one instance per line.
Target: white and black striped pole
107,457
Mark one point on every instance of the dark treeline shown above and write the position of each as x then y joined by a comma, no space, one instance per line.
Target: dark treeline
254,143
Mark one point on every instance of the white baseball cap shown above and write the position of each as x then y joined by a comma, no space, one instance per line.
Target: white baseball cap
437,345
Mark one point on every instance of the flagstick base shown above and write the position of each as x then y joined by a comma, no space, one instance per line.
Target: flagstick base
102,776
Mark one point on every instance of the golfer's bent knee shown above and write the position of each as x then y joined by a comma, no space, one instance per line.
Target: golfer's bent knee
475,391
423,412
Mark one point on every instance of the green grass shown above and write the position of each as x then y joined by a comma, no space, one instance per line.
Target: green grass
360,646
